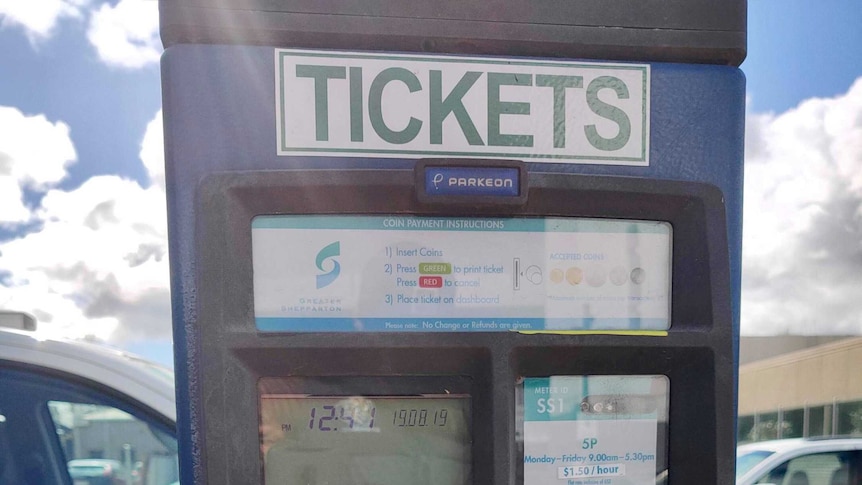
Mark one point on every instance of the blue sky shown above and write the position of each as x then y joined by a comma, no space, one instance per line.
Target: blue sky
801,49
83,245
106,105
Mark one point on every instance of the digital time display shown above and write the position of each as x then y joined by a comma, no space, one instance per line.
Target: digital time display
327,419
420,417
384,440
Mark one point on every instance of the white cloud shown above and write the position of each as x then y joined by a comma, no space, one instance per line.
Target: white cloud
802,243
34,153
38,18
126,35
98,265
153,151
12,208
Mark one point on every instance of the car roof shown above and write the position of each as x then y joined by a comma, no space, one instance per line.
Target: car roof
774,446
93,462
787,449
781,451
139,379
788,445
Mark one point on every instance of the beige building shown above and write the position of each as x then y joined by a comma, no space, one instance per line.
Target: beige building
799,387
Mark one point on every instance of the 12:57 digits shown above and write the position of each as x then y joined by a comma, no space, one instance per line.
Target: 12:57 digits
333,416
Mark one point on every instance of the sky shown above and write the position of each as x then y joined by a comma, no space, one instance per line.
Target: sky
83,239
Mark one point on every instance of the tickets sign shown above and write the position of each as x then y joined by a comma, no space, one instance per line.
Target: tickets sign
411,106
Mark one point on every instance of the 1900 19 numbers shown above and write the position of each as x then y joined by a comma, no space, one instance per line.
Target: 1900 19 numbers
409,418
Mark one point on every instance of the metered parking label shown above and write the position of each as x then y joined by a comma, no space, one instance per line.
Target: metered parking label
387,105
594,430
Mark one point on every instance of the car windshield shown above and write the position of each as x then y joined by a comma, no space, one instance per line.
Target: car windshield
747,461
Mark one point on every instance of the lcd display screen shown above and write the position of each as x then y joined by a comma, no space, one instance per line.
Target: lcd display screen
428,274
320,440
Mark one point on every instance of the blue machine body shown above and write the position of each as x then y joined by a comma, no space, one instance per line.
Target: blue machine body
219,107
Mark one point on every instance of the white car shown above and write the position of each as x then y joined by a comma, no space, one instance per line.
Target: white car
68,403
827,461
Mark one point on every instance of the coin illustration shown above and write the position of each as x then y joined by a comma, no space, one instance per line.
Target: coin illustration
596,277
638,276
574,275
619,275
557,275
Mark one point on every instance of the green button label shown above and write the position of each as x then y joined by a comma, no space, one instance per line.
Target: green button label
435,268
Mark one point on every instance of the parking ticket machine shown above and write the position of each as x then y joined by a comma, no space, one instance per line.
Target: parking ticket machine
453,243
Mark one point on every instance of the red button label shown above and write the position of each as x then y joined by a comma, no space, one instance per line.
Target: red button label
431,282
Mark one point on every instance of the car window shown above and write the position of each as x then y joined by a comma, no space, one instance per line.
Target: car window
104,445
58,429
834,468
747,461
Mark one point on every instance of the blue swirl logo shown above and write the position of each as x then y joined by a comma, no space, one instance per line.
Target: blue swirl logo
325,256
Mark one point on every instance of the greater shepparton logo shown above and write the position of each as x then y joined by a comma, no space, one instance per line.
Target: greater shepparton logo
325,257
